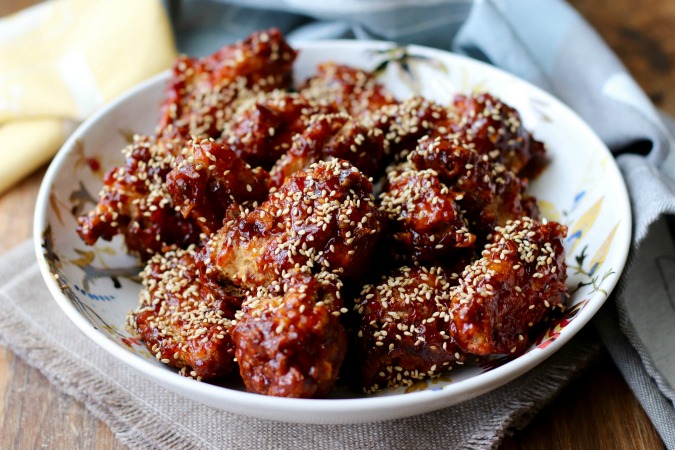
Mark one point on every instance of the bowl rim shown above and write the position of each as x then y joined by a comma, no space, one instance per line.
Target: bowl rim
464,389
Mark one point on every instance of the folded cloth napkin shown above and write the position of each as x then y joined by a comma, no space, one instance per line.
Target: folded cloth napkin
146,416
61,60
549,44
202,25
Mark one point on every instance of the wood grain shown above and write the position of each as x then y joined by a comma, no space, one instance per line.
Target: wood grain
596,411
16,209
642,34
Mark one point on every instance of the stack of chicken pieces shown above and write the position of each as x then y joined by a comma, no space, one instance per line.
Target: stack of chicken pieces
268,252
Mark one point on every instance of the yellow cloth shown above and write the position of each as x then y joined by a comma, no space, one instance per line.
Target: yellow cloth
63,59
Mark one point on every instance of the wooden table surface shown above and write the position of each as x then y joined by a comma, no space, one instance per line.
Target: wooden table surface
598,410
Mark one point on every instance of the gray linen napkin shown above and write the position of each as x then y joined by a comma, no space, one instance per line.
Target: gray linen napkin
549,44
145,416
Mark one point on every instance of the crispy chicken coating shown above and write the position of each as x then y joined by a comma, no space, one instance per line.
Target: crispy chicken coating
322,218
134,202
423,215
346,89
488,192
404,334
289,339
519,279
496,129
202,93
208,179
184,321
332,136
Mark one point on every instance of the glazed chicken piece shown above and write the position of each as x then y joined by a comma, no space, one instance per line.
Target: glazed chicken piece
404,333
262,128
184,321
202,93
423,215
289,339
208,179
332,136
517,282
488,192
134,202
496,129
405,123
346,89
322,218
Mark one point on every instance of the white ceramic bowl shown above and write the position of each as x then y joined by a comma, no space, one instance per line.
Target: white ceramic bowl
581,188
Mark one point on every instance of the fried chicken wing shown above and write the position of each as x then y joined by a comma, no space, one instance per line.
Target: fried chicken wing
496,129
208,178
332,136
346,89
289,339
423,215
183,321
322,218
134,202
519,279
488,192
201,94
404,334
